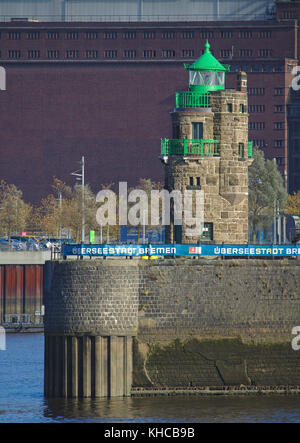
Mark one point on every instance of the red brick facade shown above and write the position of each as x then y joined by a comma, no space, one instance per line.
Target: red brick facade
104,90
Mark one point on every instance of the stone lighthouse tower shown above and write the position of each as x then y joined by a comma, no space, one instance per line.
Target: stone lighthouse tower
210,152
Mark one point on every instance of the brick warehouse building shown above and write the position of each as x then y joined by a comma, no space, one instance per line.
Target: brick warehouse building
104,90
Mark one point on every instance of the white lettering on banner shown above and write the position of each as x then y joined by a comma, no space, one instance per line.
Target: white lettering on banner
226,250
2,339
2,79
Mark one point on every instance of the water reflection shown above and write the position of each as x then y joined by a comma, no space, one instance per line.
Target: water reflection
22,400
176,409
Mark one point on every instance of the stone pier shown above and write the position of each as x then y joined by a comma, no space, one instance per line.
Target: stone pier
117,327
92,314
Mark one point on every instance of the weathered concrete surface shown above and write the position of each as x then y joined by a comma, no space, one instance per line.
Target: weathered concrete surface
24,257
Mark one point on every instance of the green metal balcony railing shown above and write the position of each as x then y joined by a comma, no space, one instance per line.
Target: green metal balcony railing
188,99
202,148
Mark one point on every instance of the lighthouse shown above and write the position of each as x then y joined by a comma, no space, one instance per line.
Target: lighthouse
210,152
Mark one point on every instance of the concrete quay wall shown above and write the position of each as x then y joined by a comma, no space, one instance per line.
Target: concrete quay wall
114,326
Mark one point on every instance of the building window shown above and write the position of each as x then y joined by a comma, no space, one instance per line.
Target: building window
91,35
229,107
206,34
241,150
287,15
225,53
130,53
168,53
72,35
53,53
149,35
265,52
14,35
149,53
258,126
188,53
234,68
278,91
14,53
278,125
257,108
265,34
246,34
226,34
191,181
255,68
110,53
279,161
246,52
197,129
260,143
256,91
208,232
110,35
34,54
198,181
72,53
187,35
168,35
34,35
278,68
279,143
294,112
278,108
242,108
267,68
91,53
129,35
53,35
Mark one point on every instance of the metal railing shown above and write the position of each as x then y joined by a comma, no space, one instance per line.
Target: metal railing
188,99
135,18
202,148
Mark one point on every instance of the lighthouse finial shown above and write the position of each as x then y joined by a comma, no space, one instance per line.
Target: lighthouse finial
207,46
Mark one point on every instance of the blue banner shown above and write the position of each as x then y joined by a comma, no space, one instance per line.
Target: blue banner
182,250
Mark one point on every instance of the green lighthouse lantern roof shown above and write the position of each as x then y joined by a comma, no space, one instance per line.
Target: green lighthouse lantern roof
207,73
207,62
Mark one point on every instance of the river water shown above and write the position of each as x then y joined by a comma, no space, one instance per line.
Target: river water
22,400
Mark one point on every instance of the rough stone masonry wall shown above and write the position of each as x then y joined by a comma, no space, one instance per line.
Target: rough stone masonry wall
197,323
218,323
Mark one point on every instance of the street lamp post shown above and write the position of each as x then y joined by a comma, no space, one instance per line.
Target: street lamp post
79,176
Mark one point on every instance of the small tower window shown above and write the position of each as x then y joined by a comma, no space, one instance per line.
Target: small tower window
191,181
242,108
229,107
197,131
241,150
198,181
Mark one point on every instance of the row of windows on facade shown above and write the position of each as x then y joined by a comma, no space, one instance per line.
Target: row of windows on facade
133,53
261,143
262,91
93,53
261,68
246,52
259,126
131,35
262,108
259,109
